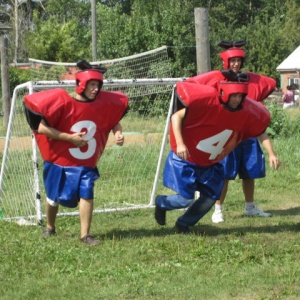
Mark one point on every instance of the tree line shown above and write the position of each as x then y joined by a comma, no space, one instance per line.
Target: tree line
60,30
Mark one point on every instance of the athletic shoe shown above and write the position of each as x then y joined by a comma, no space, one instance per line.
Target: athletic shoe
182,229
256,211
159,213
90,240
48,232
217,217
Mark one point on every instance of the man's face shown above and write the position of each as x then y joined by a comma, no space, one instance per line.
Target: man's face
235,64
235,100
92,88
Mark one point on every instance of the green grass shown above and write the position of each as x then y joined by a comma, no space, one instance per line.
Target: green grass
243,258
132,165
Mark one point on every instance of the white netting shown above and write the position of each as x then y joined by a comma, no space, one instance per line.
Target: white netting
150,64
127,173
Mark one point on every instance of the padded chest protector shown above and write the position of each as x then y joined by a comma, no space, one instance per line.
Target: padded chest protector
95,119
209,130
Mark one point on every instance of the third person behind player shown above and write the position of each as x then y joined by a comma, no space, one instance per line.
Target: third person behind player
247,159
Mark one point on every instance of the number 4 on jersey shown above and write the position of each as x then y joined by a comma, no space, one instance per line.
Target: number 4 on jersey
214,145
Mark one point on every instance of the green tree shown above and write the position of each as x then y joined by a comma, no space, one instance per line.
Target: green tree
111,40
57,35
60,30
148,25
289,31
18,14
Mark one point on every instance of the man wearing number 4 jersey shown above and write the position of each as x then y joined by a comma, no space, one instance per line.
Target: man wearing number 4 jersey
247,159
71,134
206,125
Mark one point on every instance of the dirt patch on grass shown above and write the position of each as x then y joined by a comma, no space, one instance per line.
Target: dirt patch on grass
17,143
25,143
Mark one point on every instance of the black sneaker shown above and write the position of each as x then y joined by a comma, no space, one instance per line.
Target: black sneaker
159,214
48,232
90,240
182,229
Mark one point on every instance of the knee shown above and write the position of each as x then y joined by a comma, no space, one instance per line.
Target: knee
174,202
189,202
180,202
51,202
207,201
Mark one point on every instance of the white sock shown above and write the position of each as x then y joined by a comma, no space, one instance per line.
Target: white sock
218,207
249,205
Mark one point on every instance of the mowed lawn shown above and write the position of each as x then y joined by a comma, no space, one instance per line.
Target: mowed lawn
242,258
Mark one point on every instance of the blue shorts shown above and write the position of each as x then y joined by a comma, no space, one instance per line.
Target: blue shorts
66,185
186,178
246,160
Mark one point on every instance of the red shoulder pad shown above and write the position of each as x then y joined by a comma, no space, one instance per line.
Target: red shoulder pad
210,78
41,101
260,86
190,92
113,98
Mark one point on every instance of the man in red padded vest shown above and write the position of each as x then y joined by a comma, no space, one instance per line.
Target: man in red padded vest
71,133
207,124
247,160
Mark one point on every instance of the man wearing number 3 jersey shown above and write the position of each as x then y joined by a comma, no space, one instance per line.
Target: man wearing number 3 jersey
206,125
71,133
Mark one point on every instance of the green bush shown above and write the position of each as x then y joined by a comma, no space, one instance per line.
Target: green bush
284,123
16,77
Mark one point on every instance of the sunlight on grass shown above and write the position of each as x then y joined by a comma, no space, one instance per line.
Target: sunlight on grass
242,258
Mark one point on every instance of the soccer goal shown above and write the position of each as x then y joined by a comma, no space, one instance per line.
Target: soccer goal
131,174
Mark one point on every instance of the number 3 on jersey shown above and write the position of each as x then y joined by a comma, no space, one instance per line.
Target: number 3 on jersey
90,128
214,145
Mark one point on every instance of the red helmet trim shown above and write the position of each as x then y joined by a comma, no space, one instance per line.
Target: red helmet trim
228,88
83,77
231,53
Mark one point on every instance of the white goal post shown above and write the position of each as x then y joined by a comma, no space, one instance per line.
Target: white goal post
130,176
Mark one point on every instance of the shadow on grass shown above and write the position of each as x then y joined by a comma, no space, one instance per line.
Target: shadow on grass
240,231
293,211
200,230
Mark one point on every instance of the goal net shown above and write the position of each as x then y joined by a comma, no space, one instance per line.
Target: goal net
130,175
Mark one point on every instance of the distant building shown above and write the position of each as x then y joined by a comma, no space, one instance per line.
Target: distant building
289,71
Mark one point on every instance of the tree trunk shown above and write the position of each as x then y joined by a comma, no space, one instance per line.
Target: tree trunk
5,81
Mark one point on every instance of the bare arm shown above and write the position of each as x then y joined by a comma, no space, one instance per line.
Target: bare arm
75,138
117,130
267,144
177,119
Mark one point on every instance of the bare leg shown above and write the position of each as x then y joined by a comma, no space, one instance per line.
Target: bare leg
251,209
85,211
51,212
248,189
224,192
217,216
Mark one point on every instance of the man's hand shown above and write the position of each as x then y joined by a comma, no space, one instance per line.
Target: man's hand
119,138
77,139
274,162
182,151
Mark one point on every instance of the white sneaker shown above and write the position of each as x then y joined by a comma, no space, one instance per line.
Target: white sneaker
217,217
256,211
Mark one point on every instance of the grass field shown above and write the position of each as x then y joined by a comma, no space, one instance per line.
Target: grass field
242,258
132,166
